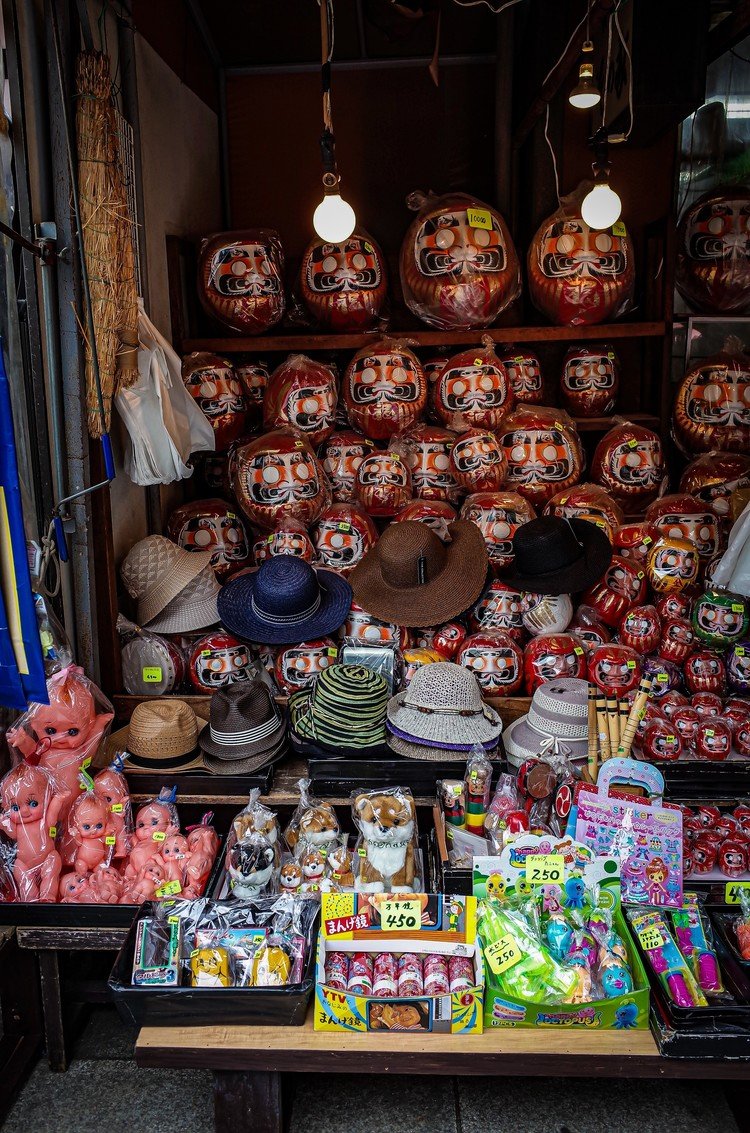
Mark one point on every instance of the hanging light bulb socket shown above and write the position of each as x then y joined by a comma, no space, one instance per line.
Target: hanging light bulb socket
334,219
601,207
586,93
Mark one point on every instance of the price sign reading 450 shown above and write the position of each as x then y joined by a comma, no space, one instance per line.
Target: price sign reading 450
545,869
401,915
733,889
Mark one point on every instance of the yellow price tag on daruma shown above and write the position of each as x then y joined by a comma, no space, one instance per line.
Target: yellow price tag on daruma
545,869
502,954
733,889
479,218
650,938
152,674
401,915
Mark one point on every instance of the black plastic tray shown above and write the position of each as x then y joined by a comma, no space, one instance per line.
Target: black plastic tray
448,878
192,783
341,776
197,1007
716,1043
43,914
701,778
723,927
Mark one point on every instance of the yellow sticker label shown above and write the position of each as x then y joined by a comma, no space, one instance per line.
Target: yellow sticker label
151,674
231,515
733,889
661,678
86,763
345,527
169,889
502,954
479,218
650,939
110,840
709,732
632,444
331,651
477,361
739,651
205,652
116,808
53,831
619,229
737,608
669,739
158,836
545,869
630,664
578,651
401,915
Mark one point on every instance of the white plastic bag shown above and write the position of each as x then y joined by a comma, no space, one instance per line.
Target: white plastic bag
164,423
733,570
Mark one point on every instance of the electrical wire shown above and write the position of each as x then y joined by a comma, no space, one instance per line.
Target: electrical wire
606,71
552,152
573,34
492,8
626,49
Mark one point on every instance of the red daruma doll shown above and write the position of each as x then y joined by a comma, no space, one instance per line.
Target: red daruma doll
713,252
240,279
342,455
587,501
301,394
498,515
629,463
459,268
344,286
473,390
385,390
712,406
477,461
277,476
543,451
428,449
213,384
383,484
524,374
580,275
590,380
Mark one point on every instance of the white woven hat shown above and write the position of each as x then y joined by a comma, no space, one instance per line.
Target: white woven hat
155,570
443,704
558,717
193,608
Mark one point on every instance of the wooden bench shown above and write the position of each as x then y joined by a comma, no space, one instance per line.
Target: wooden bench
248,1062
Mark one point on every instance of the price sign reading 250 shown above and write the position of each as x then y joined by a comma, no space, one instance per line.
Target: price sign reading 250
401,916
545,869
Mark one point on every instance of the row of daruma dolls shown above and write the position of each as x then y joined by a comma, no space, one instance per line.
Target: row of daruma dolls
459,268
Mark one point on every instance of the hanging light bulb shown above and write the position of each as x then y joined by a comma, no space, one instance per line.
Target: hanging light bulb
601,207
334,219
586,93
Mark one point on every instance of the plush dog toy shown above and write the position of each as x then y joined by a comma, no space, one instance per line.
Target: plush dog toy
250,865
387,823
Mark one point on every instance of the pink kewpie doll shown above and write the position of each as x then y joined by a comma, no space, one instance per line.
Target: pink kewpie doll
144,887
203,846
111,787
30,807
154,823
64,735
173,857
105,884
88,823
73,889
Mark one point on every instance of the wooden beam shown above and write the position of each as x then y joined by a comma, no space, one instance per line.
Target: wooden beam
732,29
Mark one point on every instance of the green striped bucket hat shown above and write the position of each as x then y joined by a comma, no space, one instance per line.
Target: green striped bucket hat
345,707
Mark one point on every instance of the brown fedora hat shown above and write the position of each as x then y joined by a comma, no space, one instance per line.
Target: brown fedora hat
411,577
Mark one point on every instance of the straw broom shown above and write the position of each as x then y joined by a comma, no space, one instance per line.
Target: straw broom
126,286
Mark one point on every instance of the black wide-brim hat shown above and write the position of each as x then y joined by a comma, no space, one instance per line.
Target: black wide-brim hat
557,556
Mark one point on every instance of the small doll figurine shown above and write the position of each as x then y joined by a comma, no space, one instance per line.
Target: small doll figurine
30,807
105,885
312,864
88,823
209,967
203,846
340,867
574,893
155,822
290,877
173,856
73,889
656,874
111,788
144,887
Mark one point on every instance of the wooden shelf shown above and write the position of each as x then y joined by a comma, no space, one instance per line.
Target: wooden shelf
282,343
604,424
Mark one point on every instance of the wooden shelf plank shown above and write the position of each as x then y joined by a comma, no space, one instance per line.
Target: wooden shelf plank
282,343
604,424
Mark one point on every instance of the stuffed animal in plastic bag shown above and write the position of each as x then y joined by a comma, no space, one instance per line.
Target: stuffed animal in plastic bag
387,822
250,864
313,823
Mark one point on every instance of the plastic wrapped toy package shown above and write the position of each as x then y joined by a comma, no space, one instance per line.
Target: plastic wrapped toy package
473,391
302,395
385,389
712,405
223,944
713,252
387,851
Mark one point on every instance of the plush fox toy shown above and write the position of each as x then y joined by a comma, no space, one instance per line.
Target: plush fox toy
387,823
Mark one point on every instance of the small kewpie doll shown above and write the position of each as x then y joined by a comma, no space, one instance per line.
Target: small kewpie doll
155,822
105,885
111,788
30,807
203,846
173,856
144,887
88,824
73,889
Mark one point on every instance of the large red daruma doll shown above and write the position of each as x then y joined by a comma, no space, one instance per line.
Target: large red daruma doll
459,268
524,374
344,285
713,477
241,279
579,276
301,394
278,476
629,463
712,406
713,253
543,451
385,390
587,501
473,390
428,453
212,383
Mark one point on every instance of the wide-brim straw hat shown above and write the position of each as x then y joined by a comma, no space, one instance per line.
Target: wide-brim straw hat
443,704
244,723
194,608
411,577
344,708
488,745
160,730
557,720
156,570
284,602
552,555
430,753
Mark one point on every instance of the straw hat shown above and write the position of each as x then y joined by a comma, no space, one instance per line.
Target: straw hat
443,704
244,726
195,607
343,709
155,570
433,754
411,577
558,715
162,733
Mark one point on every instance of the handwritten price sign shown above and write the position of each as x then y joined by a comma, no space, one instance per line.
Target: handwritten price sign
401,916
502,954
545,869
650,939
733,890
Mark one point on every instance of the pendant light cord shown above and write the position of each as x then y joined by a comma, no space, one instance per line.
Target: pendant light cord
327,34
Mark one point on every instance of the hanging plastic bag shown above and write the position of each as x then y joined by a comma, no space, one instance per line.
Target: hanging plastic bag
164,423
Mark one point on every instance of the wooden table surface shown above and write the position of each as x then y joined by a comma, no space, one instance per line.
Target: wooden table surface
503,1051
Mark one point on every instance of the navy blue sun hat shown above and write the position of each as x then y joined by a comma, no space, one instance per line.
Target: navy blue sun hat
284,602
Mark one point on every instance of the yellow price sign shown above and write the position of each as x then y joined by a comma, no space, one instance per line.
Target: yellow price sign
733,889
545,869
479,218
151,674
650,939
158,836
502,954
169,889
401,915
619,229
